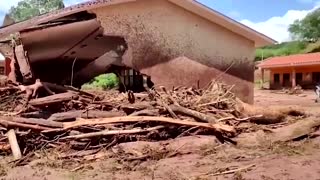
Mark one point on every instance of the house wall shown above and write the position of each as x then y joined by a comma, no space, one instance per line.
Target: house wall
308,81
176,47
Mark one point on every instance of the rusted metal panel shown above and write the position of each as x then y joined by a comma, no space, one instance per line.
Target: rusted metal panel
24,64
86,6
62,41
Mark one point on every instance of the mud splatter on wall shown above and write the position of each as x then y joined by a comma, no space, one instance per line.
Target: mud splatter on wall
159,32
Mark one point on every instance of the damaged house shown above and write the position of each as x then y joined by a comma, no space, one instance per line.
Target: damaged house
174,42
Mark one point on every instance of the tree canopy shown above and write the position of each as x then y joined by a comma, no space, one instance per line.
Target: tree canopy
27,9
307,28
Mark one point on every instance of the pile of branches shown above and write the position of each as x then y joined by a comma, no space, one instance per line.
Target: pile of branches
45,115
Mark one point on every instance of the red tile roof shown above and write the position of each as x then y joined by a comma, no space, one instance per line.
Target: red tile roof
291,61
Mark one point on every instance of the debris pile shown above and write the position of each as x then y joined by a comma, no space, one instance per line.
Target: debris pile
294,91
46,115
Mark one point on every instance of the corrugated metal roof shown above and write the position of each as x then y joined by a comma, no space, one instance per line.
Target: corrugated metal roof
291,61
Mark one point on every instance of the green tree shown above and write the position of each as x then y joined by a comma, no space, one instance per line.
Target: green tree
27,9
307,28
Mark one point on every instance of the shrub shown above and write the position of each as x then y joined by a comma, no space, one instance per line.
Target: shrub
103,81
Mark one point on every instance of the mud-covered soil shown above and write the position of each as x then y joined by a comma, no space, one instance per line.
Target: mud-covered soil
189,158
197,158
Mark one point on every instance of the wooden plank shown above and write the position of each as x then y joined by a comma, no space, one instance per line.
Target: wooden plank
16,152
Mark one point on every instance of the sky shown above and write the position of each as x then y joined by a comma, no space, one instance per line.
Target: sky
270,17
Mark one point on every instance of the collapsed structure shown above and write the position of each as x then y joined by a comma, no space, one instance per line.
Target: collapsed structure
174,42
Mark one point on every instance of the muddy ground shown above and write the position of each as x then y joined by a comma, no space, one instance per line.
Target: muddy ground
190,158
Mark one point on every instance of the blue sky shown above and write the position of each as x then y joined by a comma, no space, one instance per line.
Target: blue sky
271,17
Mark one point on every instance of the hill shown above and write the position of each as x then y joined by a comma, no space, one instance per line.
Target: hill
287,48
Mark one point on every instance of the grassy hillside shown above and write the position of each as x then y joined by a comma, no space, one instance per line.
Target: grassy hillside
282,49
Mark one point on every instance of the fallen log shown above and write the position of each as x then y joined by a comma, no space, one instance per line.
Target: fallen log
302,128
263,115
34,121
85,122
295,130
192,113
36,114
112,132
53,99
72,115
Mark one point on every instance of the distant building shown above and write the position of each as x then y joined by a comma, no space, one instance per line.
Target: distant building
290,71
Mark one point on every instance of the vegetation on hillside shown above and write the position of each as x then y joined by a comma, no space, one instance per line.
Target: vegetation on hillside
306,34
27,9
282,49
103,82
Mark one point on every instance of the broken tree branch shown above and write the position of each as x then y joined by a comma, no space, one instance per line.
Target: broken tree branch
112,132
168,108
72,115
234,170
84,122
192,113
24,126
34,121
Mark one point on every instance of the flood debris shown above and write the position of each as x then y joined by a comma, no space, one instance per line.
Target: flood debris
44,115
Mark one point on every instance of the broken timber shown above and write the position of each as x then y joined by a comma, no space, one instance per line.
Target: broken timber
53,99
72,115
23,61
85,122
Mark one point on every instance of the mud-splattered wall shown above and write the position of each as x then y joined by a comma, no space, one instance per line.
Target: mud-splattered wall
159,33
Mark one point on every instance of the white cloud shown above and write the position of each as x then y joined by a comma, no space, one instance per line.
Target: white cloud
277,27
